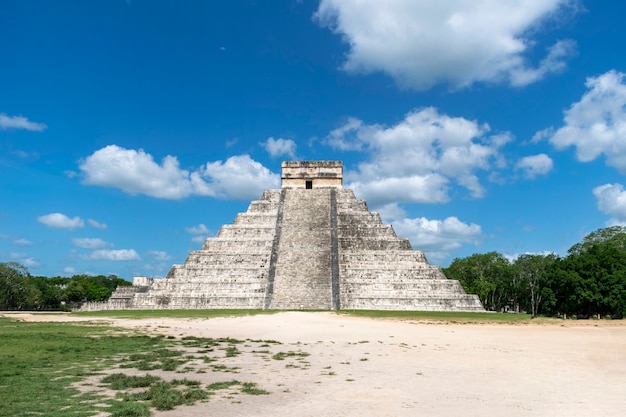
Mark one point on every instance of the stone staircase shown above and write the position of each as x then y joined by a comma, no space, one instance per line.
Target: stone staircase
303,270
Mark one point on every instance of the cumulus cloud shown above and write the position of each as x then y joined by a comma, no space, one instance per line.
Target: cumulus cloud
239,178
20,122
280,147
437,238
456,42
136,172
96,224
61,221
596,125
612,201
420,158
158,255
69,270
23,259
535,165
112,255
22,242
90,243
30,262
200,232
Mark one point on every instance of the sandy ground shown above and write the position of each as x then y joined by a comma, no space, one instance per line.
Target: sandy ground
368,367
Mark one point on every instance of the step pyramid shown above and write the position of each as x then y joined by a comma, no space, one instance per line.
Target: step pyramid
309,245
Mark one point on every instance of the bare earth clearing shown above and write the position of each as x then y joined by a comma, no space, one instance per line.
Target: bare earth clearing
360,366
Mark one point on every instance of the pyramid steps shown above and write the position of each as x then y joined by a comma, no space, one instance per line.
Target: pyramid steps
302,279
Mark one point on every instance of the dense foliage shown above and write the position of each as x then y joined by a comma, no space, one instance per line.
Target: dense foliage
589,281
21,291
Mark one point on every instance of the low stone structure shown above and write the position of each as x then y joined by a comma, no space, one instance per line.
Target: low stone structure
310,245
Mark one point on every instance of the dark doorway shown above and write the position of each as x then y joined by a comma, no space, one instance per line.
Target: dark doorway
309,185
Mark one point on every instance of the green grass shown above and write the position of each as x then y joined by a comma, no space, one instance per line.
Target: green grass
122,381
249,388
39,361
282,355
448,316
142,314
451,317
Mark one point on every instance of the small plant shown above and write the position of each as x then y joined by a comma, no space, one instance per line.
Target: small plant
123,381
282,355
222,385
232,351
250,388
129,409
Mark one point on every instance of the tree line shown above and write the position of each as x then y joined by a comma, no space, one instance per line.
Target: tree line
21,291
589,281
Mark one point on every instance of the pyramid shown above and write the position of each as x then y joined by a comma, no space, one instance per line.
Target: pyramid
309,245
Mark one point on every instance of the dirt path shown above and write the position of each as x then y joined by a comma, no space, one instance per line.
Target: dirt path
361,366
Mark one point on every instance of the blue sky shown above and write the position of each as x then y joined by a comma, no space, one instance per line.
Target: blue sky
132,130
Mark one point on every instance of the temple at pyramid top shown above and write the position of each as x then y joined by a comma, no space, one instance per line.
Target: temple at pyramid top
312,174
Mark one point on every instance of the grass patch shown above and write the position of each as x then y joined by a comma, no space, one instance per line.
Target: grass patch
282,355
164,359
447,316
249,388
129,409
141,314
122,381
39,361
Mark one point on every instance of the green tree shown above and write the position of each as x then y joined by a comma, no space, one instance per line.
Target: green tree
615,236
485,275
16,291
531,271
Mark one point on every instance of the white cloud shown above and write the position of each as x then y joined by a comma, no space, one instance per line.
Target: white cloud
22,242
69,270
200,232
535,165
113,255
61,221
612,201
19,122
90,243
30,262
200,229
596,124
239,177
437,238
158,255
23,259
417,160
280,147
513,257
457,42
97,225
136,172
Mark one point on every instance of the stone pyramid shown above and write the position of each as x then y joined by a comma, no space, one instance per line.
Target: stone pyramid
310,245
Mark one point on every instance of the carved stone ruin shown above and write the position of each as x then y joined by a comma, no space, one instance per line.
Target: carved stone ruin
310,245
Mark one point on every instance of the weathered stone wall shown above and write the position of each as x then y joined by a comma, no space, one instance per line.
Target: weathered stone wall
322,174
380,271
